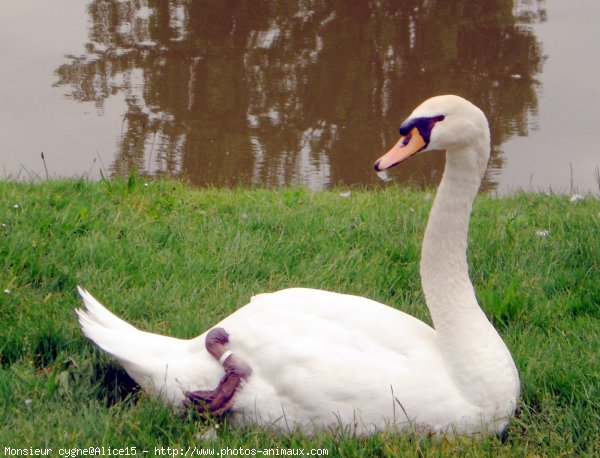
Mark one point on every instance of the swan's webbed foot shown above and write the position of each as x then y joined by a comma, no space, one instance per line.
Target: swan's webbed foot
220,400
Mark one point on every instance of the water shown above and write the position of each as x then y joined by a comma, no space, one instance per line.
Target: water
306,93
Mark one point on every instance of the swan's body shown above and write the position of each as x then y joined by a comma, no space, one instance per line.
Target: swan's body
323,359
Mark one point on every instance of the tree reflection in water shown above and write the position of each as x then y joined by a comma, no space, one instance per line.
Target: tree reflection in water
308,92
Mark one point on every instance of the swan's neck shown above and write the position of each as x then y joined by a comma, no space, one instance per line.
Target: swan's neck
444,270
475,355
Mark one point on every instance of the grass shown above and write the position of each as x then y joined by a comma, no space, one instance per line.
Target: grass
176,260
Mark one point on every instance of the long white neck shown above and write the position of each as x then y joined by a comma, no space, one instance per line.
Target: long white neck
444,270
474,353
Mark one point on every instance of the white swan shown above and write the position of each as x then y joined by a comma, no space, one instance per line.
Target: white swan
323,359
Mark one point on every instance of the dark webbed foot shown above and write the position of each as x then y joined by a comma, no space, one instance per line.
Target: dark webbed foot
220,400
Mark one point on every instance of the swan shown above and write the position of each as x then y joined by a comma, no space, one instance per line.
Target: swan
310,360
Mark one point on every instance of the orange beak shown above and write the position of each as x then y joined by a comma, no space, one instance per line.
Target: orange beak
406,147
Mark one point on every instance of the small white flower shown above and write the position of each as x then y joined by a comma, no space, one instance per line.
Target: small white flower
145,185
16,206
28,402
542,233
346,194
7,291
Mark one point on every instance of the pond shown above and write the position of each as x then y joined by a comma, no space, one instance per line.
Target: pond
305,93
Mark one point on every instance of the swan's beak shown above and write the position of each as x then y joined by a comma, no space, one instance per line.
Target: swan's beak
406,147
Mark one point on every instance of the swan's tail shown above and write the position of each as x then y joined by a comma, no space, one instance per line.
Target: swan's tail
109,332
145,356
95,314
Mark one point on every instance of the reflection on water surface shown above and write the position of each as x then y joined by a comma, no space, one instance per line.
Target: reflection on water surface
276,93
307,93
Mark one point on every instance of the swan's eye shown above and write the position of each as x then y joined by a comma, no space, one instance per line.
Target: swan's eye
423,126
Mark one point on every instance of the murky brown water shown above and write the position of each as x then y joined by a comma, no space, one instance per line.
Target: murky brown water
309,92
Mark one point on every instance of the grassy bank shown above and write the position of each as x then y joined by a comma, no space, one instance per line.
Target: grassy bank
175,260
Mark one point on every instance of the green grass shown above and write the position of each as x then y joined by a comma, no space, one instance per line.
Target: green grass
176,260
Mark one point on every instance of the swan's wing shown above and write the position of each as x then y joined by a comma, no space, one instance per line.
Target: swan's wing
380,323
319,355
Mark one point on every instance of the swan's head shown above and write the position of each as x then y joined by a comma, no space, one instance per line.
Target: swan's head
444,122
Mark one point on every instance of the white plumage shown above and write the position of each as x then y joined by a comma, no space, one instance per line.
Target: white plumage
323,359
